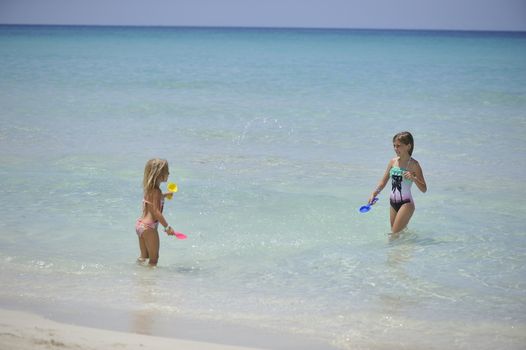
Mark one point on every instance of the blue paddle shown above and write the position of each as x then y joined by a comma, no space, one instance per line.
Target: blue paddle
366,208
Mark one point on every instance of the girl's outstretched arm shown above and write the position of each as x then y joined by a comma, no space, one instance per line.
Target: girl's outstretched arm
382,182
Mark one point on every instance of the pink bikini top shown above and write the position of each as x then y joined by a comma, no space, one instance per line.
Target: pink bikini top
144,202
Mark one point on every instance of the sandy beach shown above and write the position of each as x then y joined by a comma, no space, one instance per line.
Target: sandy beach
22,330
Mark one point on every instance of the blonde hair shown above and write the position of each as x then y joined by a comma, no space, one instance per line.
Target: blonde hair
153,171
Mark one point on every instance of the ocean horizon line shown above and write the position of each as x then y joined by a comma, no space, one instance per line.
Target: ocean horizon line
270,28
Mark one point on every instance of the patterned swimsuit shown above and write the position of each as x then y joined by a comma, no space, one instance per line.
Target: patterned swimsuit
400,187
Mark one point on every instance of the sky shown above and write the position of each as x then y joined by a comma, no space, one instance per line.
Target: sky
497,15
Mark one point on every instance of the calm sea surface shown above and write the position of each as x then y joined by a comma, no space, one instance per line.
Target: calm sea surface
275,138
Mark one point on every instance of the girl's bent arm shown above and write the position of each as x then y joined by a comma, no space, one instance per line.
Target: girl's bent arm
156,209
418,179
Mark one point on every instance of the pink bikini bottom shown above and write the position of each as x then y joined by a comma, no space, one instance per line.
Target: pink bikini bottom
141,226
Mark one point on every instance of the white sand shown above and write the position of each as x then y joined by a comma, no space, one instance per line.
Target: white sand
25,331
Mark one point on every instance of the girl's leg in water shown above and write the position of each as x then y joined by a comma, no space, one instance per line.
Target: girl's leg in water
401,218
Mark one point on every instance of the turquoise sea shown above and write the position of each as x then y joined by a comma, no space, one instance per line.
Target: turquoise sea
275,137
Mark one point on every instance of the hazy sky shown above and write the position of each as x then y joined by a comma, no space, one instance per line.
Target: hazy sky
388,14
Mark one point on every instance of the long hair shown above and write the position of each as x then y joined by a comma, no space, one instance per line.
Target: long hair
406,138
153,171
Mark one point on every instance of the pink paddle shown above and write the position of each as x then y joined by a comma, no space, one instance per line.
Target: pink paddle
180,235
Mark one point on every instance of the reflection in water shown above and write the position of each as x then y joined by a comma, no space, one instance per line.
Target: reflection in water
143,314
394,299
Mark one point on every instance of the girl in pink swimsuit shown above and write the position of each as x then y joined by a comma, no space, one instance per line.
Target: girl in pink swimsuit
155,172
403,171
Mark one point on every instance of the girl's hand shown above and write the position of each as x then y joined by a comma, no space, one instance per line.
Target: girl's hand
409,176
170,231
371,198
168,195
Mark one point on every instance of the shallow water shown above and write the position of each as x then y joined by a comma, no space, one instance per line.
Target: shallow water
275,138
